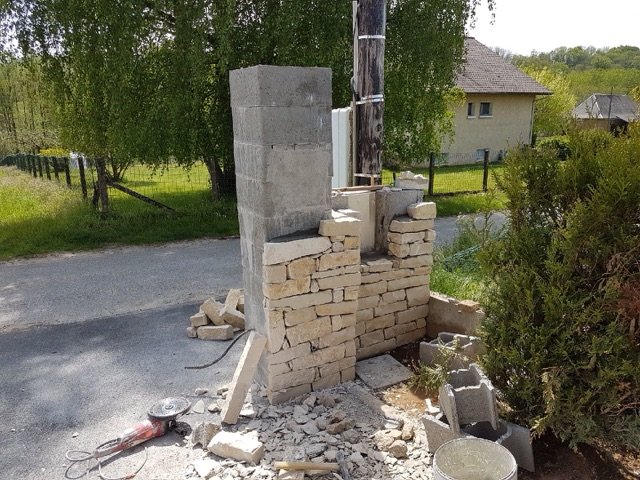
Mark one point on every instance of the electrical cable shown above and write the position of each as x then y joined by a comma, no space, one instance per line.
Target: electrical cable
207,365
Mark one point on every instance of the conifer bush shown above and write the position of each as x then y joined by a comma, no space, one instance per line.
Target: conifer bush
563,327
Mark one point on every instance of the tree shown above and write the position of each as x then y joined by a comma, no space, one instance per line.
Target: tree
553,112
149,79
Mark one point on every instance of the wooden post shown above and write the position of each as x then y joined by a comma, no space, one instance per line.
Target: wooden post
369,90
55,167
485,172
34,166
67,172
40,166
431,173
103,193
46,167
83,180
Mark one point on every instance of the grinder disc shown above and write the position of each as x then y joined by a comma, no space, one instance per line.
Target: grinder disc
169,408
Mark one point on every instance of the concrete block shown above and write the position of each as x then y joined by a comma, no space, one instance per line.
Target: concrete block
242,378
199,319
465,349
237,446
446,315
289,249
408,225
438,431
215,332
422,211
468,397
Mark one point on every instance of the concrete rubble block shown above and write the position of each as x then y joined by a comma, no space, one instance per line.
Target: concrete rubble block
418,295
215,332
199,319
446,315
468,397
242,377
274,273
288,288
408,225
233,297
330,261
422,211
230,316
405,238
464,349
513,437
237,446
301,267
192,332
339,225
211,309
284,251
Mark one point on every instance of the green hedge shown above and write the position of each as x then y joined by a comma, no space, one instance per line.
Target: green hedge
562,335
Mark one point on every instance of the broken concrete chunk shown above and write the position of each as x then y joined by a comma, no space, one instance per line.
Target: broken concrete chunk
215,332
233,317
198,320
237,446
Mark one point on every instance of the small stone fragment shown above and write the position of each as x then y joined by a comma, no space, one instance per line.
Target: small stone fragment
398,449
237,446
207,467
310,428
213,407
201,391
203,433
290,475
351,436
198,407
192,332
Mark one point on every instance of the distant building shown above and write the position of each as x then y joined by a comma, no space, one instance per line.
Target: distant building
498,111
607,112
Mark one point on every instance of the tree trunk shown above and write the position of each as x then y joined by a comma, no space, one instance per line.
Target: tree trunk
215,175
103,193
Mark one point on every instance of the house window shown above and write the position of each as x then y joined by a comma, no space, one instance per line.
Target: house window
485,109
471,110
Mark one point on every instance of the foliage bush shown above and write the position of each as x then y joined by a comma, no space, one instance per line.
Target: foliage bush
563,333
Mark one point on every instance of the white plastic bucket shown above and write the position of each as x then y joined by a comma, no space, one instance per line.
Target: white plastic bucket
473,459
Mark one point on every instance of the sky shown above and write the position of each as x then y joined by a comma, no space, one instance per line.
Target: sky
542,25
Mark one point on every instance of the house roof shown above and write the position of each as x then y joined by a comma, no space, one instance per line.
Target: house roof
601,105
484,71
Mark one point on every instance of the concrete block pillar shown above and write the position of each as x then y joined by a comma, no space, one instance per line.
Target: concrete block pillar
282,149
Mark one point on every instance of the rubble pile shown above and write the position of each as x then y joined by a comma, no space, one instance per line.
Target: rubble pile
218,321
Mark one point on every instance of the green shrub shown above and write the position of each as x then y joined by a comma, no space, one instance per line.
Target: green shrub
562,334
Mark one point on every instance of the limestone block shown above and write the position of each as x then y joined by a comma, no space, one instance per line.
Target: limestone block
413,313
414,262
351,293
360,329
212,308
349,212
335,367
352,243
364,315
347,280
289,288
215,332
319,357
275,330
420,248
337,308
288,393
368,302
326,382
289,354
233,297
198,320
292,379
337,337
378,323
279,369
468,397
233,317
329,273
237,446
274,273
337,247
398,250
409,337
380,265
329,261
302,301
408,282
371,278
422,211
350,349
405,238
338,295
348,374
465,349
240,306
371,289
301,267
309,331
395,296
396,274
401,329
296,317
192,332
340,225
408,225
352,268
371,338
418,295
376,349
280,252
390,308
430,236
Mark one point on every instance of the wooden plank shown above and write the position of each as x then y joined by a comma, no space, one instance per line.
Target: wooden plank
306,466
139,196
242,378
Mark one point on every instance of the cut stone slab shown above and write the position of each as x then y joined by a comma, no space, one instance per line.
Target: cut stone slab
284,251
242,378
422,211
381,372
243,448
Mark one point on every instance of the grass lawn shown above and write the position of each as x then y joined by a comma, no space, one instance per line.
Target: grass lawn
41,216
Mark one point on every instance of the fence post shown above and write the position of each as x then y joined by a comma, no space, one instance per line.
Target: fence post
485,172
67,172
431,173
103,193
46,167
83,180
34,166
55,167
39,166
